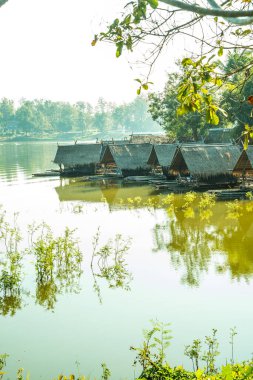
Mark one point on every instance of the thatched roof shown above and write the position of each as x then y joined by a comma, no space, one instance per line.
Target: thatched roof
205,160
78,154
162,154
219,136
244,165
149,138
128,156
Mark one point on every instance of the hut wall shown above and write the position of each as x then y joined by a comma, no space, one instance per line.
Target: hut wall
153,160
167,173
243,166
178,165
107,157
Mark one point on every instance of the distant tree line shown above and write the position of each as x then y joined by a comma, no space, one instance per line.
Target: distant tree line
40,117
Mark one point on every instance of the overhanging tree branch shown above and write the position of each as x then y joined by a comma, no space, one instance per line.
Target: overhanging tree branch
2,2
207,11
236,21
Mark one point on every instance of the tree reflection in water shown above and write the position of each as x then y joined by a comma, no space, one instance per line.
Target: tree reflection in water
109,262
199,231
11,266
57,264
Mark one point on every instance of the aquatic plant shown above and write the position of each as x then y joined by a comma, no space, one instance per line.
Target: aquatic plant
152,359
153,349
57,263
11,266
109,262
232,335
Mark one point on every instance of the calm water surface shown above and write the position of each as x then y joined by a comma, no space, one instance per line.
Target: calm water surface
181,264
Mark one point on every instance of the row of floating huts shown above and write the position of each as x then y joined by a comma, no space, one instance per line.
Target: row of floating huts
206,163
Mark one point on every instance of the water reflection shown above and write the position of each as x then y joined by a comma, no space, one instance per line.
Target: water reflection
57,264
19,160
11,266
113,192
193,240
109,263
198,229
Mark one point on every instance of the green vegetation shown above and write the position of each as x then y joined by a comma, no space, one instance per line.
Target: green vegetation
151,360
57,264
231,109
195,230
48,118
109,262
203,88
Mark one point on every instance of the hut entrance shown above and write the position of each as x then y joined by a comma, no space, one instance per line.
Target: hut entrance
108,164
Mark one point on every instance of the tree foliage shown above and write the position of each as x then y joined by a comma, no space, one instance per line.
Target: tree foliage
213,29
48,117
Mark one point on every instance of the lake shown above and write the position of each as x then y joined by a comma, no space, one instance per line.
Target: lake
134,256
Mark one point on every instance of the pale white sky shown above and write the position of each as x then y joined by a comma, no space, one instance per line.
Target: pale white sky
46,52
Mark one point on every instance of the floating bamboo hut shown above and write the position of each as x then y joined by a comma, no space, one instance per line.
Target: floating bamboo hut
80,159
220,136
209,164
244,165
162,156
148,139
129,159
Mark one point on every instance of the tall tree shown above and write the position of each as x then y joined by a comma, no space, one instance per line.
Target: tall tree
163,108
155,23
239,90
7,112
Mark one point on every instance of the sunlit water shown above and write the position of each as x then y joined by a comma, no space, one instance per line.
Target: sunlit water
191,271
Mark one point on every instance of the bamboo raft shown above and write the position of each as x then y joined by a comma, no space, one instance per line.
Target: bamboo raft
232,194
47,173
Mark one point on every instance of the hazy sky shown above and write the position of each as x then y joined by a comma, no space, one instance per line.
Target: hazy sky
46,52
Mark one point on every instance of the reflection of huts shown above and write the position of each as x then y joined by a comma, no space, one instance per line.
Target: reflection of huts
130,159
162,156
244,165
78,158
220,136
206,163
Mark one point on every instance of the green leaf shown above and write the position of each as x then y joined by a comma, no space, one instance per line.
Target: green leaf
212,117
227,372
119,48
246,32
220,51
187,62
246,142
218,82
181,110
199,373
93,43
128,19
153,3
249,371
